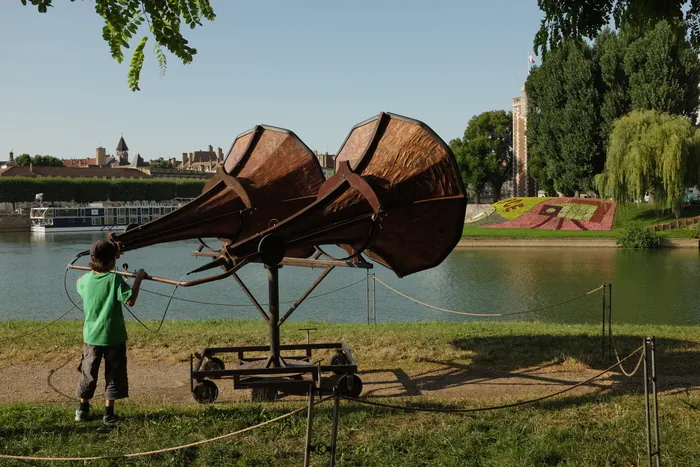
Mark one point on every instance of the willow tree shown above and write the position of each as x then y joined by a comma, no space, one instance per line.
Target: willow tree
654,152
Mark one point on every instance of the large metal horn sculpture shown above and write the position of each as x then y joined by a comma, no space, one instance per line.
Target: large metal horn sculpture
397,196
268,175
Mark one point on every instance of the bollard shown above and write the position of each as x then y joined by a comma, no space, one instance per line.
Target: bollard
653,445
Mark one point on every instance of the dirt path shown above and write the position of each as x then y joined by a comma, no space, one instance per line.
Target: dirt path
155,382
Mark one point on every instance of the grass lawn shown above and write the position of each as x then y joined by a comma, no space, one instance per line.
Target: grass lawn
588,431
594,429
627,214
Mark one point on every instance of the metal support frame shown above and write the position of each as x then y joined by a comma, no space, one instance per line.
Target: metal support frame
291,371
651,402
606,341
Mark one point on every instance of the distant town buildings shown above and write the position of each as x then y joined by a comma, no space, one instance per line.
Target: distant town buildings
9,163
327,163
196,164
102,159
201,161
523,184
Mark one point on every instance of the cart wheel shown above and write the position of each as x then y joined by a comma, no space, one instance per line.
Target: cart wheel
264,394
213,363
205,392
339,359
351,386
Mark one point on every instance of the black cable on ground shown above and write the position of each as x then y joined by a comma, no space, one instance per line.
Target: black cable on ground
162,319
40,328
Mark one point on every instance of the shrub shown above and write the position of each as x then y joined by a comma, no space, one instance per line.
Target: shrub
637,236
83,190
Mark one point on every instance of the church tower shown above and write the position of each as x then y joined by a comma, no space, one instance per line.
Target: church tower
523,185
123,149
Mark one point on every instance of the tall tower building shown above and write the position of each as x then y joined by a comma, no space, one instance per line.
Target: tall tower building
523,185
100,157
123,149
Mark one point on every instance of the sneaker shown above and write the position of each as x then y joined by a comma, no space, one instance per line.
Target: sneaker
82,415
110,419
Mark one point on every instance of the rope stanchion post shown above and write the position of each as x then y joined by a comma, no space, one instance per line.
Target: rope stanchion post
371,298
606,341
603,307
610,341
653,442
336,414
367,290
309,425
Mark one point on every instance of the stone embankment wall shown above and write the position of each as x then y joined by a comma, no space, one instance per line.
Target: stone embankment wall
478,242
14,223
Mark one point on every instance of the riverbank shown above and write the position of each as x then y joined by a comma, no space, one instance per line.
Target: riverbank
417,364
14,223
565,242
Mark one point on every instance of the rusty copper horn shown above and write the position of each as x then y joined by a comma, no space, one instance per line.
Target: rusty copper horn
268,175
397,197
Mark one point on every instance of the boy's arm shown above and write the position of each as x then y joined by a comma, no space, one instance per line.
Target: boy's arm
140,276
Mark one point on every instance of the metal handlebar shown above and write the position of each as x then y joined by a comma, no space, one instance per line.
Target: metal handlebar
163,280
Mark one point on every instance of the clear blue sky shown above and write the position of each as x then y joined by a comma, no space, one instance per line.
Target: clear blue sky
315,67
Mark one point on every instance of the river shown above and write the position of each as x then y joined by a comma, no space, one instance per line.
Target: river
655,287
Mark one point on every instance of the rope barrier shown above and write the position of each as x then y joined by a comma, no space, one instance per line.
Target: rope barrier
505,406
617,357
485,314
250,305
157,451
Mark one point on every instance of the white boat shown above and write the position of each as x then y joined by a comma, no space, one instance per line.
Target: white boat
100,217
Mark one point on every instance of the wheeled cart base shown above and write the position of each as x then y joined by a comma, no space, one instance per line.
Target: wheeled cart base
296,371
287,368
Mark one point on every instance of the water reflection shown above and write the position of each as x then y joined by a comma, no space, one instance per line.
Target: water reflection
649,286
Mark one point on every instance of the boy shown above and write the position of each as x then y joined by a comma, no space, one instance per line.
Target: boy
104,332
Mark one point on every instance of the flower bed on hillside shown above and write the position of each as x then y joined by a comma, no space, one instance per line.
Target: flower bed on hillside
512,208
556,213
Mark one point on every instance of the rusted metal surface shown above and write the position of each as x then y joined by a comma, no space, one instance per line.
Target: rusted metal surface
227,273
397,196
269,174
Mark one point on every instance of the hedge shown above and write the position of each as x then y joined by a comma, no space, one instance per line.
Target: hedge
84,190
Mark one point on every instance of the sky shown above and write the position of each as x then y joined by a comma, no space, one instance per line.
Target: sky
314,67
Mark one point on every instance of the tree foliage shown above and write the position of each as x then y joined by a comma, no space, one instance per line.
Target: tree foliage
654,152
160,164
575,19
563,119
580,90
164,18
485,153
25,160
663,71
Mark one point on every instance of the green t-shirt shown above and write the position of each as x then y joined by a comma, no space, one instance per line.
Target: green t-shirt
103,295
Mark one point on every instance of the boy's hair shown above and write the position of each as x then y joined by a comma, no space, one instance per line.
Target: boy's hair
103,254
